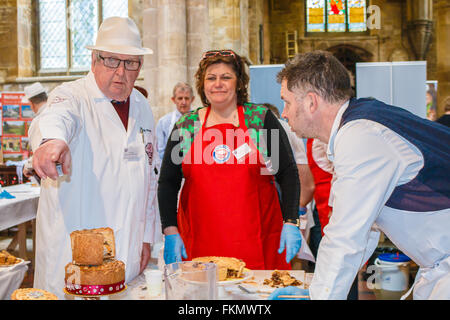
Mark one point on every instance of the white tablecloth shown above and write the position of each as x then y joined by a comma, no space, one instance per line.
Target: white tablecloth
137,288
11,278
21,209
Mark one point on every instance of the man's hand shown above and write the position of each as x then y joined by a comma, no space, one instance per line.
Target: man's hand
27,172
145,256
47,155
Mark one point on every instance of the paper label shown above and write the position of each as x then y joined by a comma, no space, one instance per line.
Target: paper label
242,151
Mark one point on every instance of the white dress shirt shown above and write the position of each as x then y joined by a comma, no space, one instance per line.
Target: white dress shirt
163,130
370,160
297,144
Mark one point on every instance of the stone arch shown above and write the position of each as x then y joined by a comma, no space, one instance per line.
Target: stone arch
349,55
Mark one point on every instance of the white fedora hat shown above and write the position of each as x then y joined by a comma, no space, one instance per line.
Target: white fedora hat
119,35
33,90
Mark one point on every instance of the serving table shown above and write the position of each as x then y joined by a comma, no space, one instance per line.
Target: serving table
18,211
137,288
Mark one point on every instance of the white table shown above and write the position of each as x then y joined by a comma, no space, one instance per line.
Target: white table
11,278
18,211
136,289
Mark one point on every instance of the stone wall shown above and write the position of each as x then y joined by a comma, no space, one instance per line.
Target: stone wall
442,44
8,40
179,31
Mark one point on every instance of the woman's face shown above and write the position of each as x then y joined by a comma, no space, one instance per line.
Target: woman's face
220,85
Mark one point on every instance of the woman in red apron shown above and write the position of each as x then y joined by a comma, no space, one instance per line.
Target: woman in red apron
322,179
227,207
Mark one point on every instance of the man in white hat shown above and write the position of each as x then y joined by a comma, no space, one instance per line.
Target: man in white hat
101,131
37,96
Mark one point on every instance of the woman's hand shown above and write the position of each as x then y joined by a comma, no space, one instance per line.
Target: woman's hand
173,248
290,239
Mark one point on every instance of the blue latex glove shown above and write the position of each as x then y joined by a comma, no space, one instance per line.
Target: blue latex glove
6,195
291,239
174,248
289,291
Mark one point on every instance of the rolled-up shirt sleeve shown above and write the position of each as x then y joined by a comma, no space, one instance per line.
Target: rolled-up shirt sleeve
367,169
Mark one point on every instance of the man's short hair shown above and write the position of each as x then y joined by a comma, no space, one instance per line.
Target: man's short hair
183,86
320,72
41,97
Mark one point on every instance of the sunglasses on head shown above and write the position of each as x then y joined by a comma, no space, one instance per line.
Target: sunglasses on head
223,53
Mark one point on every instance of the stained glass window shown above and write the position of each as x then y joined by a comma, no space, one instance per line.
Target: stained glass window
315,16
67,26
336,15
357,15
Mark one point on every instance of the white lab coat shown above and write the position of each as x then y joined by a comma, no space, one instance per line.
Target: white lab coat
33,131
111,184
34,135
369,161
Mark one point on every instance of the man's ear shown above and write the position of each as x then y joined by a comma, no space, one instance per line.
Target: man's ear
93,60
312,102
173,99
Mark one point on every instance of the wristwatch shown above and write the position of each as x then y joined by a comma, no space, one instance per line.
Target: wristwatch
294,221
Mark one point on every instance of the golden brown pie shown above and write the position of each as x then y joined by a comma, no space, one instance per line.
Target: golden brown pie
32,294
228,268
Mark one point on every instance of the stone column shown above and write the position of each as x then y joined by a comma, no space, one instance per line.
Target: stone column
25,42
150,40
229,25
172,64
419,16
164,24
197,39
442,53
8,40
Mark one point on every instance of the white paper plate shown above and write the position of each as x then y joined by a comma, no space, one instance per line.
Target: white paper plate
12,265
247,274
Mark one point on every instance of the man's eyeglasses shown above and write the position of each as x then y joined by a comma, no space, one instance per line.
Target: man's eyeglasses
223,53
113,63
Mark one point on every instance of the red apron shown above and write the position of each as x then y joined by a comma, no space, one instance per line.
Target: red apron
322,180
227,208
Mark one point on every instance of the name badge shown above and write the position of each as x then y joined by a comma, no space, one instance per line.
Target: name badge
131,154
242,151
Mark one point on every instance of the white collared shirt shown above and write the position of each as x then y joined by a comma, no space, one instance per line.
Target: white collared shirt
370,160
164,128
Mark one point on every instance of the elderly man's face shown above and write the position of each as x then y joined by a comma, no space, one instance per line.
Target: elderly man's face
183,100
115,83
295,113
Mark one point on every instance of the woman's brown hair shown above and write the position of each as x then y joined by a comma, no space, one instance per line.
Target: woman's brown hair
237,63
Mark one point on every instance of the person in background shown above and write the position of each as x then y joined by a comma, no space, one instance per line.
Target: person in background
101,131
229,204
392,176
304,173
37,95
182,97
298,147
445,118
